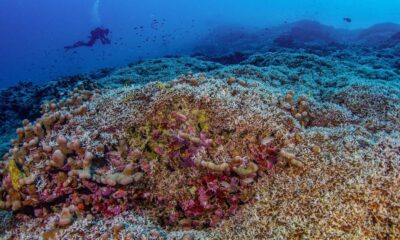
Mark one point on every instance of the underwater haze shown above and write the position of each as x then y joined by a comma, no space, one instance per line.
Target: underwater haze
35,32
198,120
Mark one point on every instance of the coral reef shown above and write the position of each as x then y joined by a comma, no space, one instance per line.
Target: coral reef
286,144
187,160
23,101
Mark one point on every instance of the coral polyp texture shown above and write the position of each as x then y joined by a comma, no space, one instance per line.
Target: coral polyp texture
246,151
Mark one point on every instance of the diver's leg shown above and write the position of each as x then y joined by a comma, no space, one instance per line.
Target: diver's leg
91,42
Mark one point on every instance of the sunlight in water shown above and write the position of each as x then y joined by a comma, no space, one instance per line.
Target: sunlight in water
95,12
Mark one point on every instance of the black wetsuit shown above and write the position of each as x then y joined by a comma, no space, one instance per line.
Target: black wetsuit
96,34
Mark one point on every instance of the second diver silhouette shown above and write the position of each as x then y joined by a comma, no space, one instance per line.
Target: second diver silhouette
96,34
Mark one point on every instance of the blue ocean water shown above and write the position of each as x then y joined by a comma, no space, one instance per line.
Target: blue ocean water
34,33
189,120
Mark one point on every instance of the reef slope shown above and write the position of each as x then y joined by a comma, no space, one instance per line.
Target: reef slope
285,144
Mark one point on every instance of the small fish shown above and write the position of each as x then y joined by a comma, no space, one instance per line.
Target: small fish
347,19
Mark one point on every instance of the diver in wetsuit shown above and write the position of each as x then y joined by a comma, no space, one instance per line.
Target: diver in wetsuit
96,34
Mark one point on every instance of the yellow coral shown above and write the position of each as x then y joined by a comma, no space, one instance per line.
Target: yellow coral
152,155
15,174
139,137
161,85
202,120
193,190
298,138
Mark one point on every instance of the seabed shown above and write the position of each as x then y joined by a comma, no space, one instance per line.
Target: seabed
284,145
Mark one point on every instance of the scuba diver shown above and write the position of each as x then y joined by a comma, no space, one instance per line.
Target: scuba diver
96,34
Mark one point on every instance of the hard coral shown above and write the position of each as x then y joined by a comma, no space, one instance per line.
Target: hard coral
15,174
187,160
